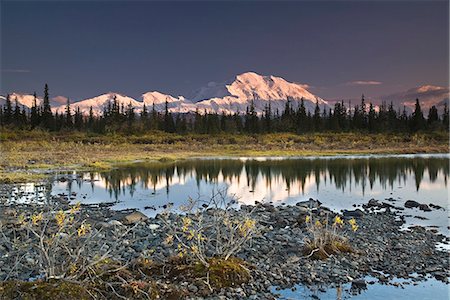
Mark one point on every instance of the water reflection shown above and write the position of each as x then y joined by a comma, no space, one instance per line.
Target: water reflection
340,183
344,174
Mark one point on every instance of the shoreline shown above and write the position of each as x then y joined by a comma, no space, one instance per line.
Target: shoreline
28,158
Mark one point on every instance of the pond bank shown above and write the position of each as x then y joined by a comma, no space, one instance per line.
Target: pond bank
28,156
274,257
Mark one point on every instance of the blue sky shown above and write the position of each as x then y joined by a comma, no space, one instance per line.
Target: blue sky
341,49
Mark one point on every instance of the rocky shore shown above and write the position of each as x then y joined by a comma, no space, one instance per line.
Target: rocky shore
275,256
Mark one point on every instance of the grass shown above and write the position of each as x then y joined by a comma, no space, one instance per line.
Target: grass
20,176
25,150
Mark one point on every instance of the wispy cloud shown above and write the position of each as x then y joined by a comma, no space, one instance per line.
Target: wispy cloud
304,85
15,71
364,82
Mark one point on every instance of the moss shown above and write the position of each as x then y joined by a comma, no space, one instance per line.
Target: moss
224,273
55,290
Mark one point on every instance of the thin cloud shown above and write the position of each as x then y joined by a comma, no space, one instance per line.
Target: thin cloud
364,82
15,71
304,85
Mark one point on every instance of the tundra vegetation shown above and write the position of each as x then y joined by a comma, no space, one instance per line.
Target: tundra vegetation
65,254
40,139
25,155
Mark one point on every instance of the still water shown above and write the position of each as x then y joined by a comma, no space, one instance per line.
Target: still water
341,182
338,182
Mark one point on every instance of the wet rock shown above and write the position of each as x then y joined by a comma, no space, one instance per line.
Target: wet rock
357,213
372,203
411,204
424,207
435,206
359,284
311,203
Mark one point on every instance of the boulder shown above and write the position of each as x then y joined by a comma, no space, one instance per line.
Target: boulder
134,218
357,213
359,284
311,203
424,207
411,204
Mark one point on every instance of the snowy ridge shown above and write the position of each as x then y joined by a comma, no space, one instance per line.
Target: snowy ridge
229,97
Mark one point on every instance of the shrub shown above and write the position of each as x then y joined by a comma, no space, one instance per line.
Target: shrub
324,239
211,240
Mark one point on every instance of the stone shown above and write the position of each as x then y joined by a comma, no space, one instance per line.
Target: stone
373,203
411,204
357,213
436,206
134,218
424,207
359,284
153,226
192,288
311,203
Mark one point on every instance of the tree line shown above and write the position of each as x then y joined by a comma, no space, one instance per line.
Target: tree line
117,117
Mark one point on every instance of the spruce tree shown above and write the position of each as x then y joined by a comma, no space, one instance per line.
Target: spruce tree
433,117
316,117
417,119
8,111
47,117
68,121
34,116
301,117
371,118
169,125
91,118
445,117
16,113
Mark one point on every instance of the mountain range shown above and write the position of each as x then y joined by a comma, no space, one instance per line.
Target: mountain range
236,95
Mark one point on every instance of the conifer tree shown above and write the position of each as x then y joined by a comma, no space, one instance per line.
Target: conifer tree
91,118
68,120
16,113
433,117
445,117
47,116
34,115
417,119
8,111
371,118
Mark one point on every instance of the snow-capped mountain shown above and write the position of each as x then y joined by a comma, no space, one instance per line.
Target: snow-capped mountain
229,97
26,100
237,95
99,103
428,96
22,99
179,105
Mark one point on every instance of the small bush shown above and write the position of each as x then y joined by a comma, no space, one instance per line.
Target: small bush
325,240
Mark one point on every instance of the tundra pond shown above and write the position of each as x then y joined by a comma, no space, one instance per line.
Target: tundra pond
414,186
